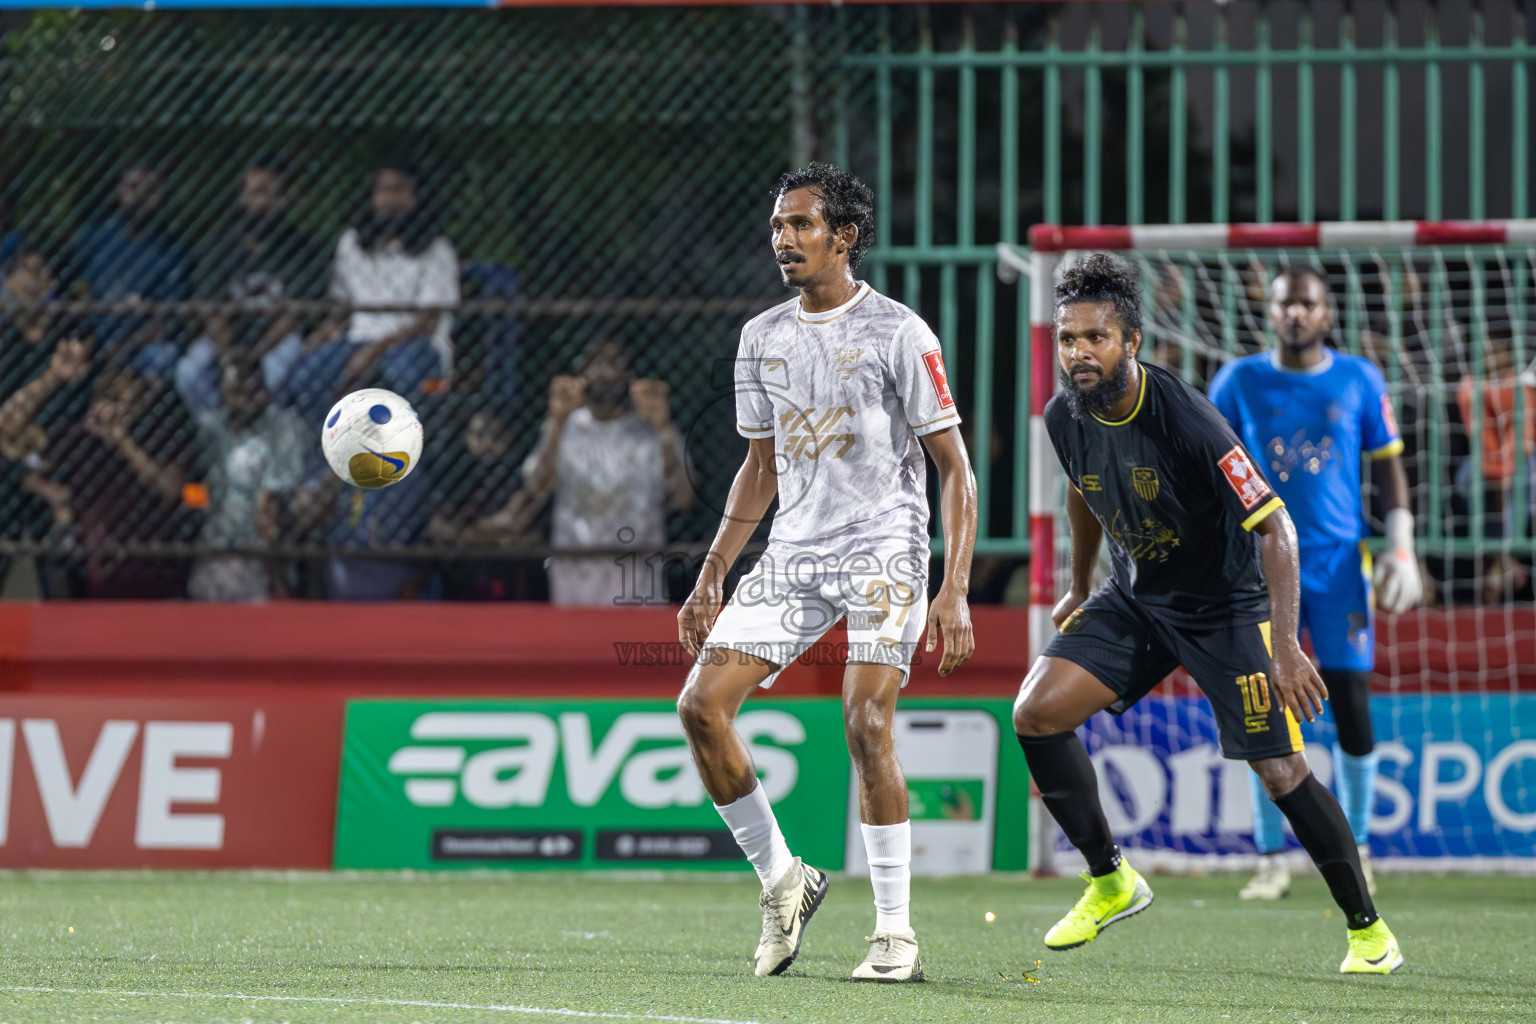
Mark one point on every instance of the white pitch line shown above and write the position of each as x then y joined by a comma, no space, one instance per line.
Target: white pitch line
376,1002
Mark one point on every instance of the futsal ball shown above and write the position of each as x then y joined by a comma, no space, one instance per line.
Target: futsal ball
372,438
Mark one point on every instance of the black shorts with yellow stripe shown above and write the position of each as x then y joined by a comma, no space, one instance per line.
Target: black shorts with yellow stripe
1131,650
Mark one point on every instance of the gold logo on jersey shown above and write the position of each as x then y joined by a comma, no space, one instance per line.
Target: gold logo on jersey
1091,482
847,361
1144,480
805,438
1076,621
1146,541
773,372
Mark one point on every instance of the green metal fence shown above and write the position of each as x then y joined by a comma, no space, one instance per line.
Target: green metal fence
982,122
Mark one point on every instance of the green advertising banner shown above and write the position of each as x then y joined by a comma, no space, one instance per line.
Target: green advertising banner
579,784
442,785
967,787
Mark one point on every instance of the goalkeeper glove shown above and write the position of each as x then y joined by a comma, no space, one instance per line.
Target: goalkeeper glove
1397,582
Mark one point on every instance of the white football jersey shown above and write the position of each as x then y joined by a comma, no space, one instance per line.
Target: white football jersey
845,394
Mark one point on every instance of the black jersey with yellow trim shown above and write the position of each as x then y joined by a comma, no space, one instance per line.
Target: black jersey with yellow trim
1178,496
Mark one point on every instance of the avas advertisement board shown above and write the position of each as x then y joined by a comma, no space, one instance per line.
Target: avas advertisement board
428,784
602,784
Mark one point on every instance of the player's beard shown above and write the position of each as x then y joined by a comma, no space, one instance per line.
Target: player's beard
792,285
801,286
1303,340
1099,397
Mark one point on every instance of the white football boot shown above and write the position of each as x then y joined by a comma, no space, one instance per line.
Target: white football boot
786,909
892,957
1271,882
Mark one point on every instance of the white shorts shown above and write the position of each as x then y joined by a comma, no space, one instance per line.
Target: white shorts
787,603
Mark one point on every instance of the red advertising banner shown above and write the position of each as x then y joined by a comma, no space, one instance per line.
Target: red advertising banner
88,782
417,648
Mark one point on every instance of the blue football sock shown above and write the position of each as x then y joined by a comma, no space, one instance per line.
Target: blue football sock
1268,822
1355,780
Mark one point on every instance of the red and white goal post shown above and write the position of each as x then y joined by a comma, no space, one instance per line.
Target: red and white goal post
1448,312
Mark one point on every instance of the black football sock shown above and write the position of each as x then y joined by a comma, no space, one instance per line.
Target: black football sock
1064,775
1322,829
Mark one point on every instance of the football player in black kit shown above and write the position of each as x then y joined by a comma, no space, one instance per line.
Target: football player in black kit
1205,576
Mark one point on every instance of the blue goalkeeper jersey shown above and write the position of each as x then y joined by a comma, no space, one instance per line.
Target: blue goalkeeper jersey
1307,430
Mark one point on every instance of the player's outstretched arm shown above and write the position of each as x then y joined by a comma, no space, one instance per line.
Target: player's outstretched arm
950,612
1087,534
1292,676
757,481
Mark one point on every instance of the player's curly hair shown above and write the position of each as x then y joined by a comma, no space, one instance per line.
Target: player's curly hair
844,199
1101,277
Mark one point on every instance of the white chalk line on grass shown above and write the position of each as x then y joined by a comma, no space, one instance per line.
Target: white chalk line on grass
366,1001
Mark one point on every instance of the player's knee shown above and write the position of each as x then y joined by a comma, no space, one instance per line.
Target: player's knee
700,716
1031,719
1281,775
868,725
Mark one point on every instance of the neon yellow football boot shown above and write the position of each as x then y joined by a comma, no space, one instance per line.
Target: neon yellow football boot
1372,950
1109,898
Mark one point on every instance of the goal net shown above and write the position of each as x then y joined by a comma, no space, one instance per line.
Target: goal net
1445,311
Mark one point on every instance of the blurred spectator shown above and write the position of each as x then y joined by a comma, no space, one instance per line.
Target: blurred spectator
116,478
615,464
1189,320
1167,319
47,368
258,261
396,256
46,372
481,503
131,257
28,282
485,344
390,518
1506,452
254,455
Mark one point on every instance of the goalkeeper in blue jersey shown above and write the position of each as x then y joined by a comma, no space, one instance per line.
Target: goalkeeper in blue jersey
1307,413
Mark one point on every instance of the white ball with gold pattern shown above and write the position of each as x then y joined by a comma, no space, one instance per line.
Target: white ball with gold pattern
372,438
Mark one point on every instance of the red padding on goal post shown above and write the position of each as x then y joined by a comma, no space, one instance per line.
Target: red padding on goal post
1055,238
1272,236
1459,232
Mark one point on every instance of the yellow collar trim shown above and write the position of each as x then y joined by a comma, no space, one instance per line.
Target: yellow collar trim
1141,398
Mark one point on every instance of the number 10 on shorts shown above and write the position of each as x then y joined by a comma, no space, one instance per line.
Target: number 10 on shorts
1256,704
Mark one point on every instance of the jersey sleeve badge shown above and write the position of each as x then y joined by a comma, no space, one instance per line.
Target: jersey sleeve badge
935,362
1250,487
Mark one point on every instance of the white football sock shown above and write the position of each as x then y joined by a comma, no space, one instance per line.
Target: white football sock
889,851
757,833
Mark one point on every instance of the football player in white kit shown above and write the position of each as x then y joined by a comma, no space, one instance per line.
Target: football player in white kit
833,390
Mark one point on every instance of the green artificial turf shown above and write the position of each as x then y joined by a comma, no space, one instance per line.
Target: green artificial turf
162,947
